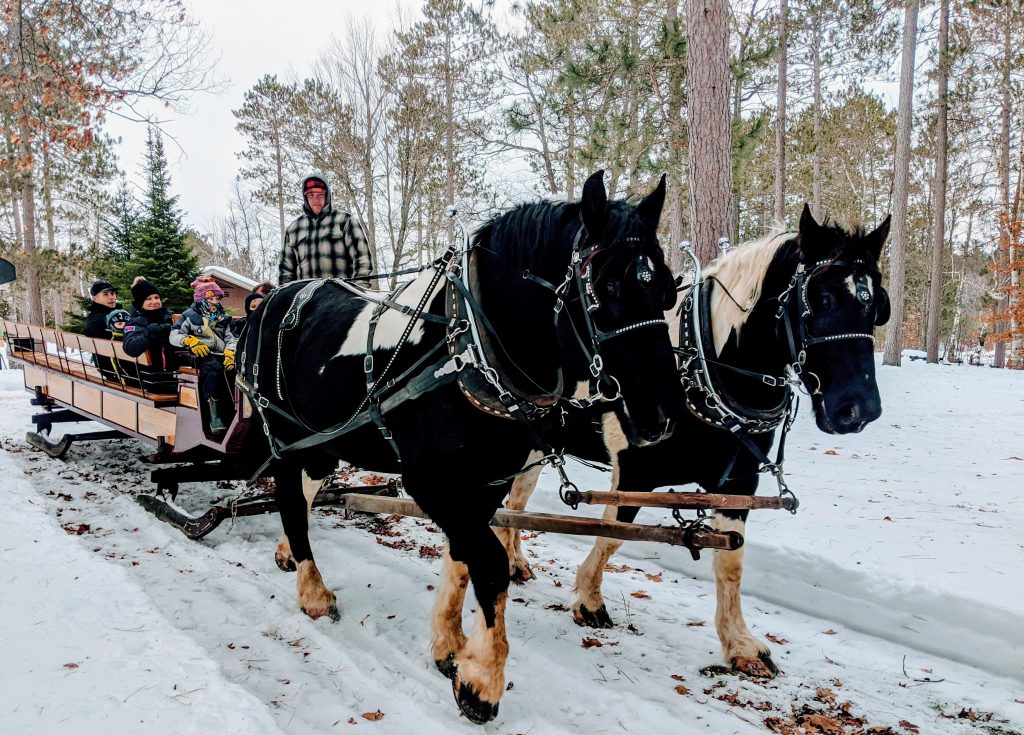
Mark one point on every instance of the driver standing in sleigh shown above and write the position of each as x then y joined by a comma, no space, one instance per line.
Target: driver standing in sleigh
324,242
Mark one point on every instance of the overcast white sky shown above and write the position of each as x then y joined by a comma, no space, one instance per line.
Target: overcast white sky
251,38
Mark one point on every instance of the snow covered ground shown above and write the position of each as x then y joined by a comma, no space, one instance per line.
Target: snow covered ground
903,565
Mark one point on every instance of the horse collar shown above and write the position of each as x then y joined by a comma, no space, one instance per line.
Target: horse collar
707,398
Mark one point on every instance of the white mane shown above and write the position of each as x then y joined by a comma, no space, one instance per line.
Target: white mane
742,271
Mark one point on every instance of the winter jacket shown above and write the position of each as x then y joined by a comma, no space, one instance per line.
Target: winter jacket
96,322
329,245
148,331
217,336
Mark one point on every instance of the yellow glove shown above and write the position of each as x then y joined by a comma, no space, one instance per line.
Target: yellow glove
198,348
229,359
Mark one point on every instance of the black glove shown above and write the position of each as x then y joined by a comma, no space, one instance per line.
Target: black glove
158,331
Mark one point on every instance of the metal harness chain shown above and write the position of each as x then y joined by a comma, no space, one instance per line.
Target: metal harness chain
696,376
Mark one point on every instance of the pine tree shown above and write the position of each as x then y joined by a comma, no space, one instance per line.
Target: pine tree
159,250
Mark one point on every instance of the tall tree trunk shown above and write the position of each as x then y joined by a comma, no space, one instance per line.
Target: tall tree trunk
570,157
371,217
449,142
816,83
939,188
737,111
28,208
51,231
279,173
675,125
707,63
780,115
898,244
1003,166
16,216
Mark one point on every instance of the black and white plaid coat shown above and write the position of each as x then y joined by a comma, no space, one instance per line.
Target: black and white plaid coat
331,245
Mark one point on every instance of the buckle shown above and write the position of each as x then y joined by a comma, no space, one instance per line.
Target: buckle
596,366
769,380
261,401
368,364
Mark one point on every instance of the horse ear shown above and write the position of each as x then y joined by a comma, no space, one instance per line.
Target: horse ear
877,237
808,232
595,203
808,225
650,207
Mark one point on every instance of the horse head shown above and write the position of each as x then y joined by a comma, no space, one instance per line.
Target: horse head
834,301
622,290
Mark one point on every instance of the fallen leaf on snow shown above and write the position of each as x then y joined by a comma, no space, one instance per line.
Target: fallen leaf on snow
887,518
373,716
640,595
909,726
829,632
678,677
776,639
71,665
591,643
970,714
824,694
820,724
654,577
680,689
696,624
831,452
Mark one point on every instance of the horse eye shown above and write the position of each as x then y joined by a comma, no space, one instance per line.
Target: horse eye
611,288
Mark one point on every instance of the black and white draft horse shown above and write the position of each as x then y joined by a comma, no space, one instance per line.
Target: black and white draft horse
458,459
803,304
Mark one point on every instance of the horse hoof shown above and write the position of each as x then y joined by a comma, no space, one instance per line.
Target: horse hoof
331,612
761,667
285,564
476,710
598,618
521,575
447,666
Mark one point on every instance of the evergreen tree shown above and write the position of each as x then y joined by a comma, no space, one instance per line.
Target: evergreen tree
158,247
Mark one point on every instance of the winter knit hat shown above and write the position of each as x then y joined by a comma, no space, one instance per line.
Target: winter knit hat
141,290
204,285
313,183
249,299
100,286
117,315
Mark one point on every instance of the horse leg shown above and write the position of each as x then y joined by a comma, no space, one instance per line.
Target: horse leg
480,666
739,647
589,609
446,619
518,568
283,555
314,598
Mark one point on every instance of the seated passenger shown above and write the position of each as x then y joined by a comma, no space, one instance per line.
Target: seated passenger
205,329
252,300
104,301
148,330
112,370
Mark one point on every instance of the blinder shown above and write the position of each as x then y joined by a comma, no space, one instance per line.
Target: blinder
883,310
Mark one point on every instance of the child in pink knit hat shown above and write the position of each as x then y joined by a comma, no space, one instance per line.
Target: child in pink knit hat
205,329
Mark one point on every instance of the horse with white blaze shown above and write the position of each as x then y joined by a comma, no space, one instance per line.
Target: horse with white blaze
454,380
791,310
